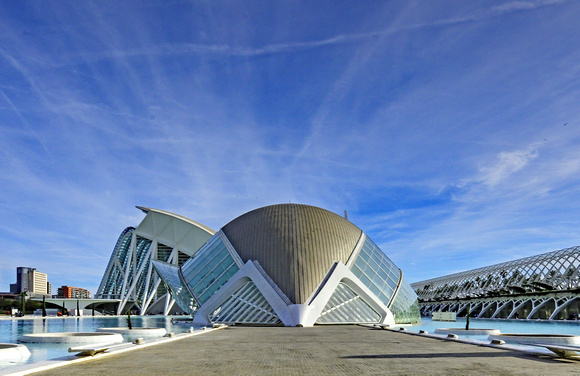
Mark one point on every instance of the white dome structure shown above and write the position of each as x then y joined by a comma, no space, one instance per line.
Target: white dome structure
293,265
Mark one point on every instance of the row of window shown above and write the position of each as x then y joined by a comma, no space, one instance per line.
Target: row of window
174,283
210,269
377,272
247,305
345,306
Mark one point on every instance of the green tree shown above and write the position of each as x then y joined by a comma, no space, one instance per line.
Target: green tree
129,319
22,302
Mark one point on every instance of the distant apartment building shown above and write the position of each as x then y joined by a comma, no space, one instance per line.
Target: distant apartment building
37,282
69,292
21,284
30,280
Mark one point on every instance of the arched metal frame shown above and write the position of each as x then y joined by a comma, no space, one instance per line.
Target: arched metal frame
545,286
556,270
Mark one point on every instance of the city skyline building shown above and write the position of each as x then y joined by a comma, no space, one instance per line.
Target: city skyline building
69,292
31,281
292,265
37,282
21,280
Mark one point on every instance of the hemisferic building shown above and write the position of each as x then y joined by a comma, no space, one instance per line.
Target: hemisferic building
292,265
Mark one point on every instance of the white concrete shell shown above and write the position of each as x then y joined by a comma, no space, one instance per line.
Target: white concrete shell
294,265
129,275
292,314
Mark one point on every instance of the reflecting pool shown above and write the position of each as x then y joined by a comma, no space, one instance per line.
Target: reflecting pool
505,326
12,329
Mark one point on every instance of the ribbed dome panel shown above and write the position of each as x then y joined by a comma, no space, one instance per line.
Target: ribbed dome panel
295,244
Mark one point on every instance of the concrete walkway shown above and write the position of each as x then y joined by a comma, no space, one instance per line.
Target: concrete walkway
325,350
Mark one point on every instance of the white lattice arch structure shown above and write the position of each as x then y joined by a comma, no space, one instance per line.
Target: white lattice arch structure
545,286
556,270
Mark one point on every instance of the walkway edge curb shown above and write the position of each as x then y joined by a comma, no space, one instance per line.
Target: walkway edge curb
45,365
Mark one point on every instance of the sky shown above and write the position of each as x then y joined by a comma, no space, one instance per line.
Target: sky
448,130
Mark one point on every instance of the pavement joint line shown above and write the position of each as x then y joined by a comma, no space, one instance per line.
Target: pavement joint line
45,365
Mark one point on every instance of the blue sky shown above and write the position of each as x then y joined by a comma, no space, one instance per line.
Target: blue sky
449,130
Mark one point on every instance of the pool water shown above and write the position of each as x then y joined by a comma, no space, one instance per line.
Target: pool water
504,326
12,329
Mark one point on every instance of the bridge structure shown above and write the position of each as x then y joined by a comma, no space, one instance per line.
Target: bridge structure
546,286
103,306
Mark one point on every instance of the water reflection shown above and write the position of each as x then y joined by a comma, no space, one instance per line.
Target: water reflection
12,329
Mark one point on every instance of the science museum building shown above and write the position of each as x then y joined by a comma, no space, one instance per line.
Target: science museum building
287,264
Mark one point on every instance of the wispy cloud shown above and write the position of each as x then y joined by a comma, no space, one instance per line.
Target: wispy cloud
168,49
29,129
430,136
498,10
506,164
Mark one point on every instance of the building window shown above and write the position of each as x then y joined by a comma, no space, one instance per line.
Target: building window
209,270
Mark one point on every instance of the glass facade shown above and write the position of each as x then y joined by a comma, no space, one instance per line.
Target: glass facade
124,261
130,277
345,306
170,274
405,306
209,270
377,272
247,305
141,267
112,284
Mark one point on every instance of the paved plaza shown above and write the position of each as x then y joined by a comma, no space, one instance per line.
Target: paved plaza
322,350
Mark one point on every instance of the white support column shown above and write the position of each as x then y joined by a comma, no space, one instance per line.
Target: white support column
342,273
169,302
500,307
517,307
246,272
124,291
562,306
152,255
137,273
539,306
147,303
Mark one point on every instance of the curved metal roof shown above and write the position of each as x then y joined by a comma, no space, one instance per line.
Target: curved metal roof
556,270
295,244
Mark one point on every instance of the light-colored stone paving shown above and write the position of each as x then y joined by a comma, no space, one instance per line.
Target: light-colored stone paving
325,350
